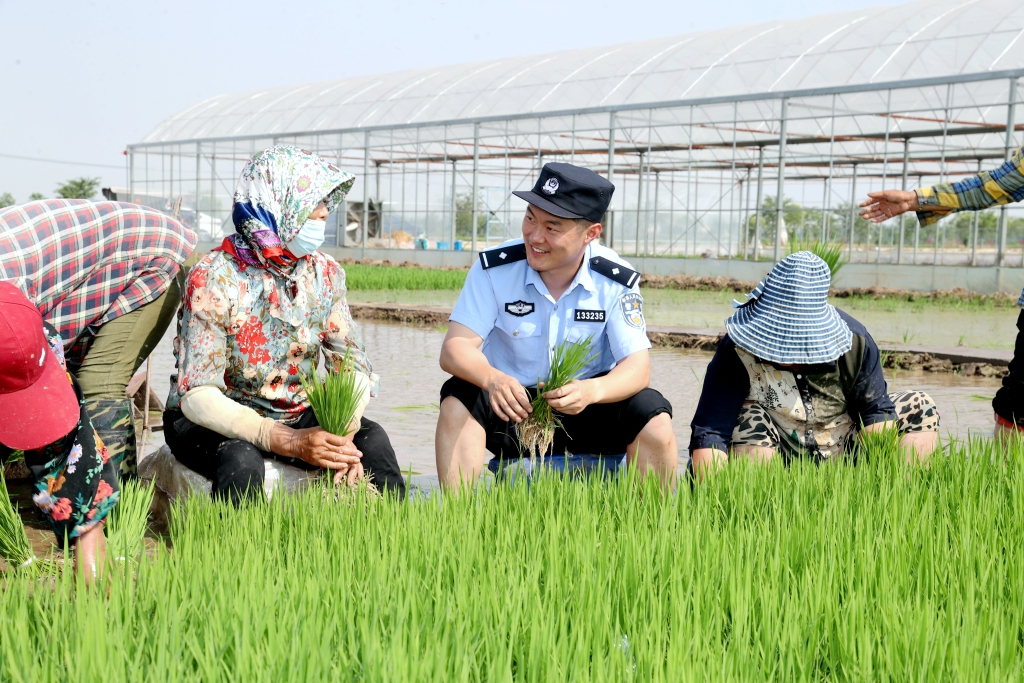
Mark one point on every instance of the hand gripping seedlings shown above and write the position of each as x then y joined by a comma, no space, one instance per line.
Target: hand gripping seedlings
537,431
335,398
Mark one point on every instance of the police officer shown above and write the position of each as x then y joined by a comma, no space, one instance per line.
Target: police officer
522,299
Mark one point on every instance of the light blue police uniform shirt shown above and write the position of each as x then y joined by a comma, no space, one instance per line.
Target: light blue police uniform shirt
510,307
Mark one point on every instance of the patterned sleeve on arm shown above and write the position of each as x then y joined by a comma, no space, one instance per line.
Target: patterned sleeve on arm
209,307
1003,185
342,333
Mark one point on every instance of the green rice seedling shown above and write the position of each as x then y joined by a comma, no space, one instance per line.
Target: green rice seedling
537,431
363,277
335,397
127,522
14,545
805,573
829,252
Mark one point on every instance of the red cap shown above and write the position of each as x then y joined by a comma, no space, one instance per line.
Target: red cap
37,402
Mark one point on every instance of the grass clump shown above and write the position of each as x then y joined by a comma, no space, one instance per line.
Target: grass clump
877,572
335,397
829,252
128,520
14,545
359,277
537,431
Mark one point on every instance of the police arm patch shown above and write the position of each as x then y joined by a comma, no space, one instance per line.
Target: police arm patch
632,305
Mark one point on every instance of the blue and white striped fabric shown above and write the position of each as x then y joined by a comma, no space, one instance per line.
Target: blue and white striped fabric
788,318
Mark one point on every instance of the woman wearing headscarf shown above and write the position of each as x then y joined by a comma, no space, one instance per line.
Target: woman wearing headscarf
255,316
796,376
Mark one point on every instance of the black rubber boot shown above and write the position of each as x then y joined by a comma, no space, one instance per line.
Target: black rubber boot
115,426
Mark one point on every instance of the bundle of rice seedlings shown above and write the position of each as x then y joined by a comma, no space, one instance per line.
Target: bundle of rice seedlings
829,252
537,431
127,522
336,397
14,545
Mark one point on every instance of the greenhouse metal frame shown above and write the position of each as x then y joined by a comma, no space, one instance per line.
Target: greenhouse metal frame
695,176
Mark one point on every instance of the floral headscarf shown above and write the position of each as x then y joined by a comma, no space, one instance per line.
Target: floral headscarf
276,193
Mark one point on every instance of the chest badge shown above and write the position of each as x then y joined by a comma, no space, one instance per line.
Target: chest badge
632,305
583,315
519,308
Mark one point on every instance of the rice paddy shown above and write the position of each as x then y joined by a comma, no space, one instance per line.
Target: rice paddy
363,277
840,573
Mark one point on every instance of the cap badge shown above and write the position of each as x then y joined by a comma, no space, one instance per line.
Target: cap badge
551,186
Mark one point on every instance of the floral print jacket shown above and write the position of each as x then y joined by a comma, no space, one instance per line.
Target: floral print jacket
75,483
254,332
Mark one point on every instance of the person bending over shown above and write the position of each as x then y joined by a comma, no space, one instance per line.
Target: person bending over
795,375
1003,185
255,316
105,276
42,414
519,302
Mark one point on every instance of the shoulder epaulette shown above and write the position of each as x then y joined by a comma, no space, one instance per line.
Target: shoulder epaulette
626,277
499,256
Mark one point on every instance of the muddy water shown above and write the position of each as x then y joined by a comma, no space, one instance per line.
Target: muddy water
889,321
406,358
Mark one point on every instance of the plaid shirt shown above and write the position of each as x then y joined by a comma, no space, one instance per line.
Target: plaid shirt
990,188
85,263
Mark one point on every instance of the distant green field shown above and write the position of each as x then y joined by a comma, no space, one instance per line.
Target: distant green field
359,277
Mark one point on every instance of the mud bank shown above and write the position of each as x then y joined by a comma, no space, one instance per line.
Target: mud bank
958,360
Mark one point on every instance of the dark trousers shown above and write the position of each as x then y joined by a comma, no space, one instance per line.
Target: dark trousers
1009,400
236,467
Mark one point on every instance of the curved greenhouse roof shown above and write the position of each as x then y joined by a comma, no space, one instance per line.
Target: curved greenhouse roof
912,41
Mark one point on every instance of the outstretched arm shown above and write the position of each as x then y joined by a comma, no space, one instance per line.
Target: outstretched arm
1003,185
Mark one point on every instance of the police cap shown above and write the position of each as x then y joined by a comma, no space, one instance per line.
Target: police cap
569,191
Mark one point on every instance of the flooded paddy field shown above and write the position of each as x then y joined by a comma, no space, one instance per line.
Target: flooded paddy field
406,356
921,322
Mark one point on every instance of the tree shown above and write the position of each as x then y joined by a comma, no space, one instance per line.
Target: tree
36,196
79,188
792,213
6,199
464,216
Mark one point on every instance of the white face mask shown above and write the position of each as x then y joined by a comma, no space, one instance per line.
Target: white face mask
311,235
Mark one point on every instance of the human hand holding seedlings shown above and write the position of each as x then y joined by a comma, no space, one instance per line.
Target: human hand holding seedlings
316,446
881,206
572,398
336,401
508,397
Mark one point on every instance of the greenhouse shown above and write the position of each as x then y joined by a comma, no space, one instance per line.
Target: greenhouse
701,134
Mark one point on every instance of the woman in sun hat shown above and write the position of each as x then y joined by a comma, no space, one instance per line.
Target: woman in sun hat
796,375
43,414
256,315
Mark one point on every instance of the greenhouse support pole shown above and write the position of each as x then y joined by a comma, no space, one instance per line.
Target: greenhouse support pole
1007,153
974,230
779,218
853,211
380,204
131,176
906,164
610,241
639,203
917,226
760,199
476,177
654,237
199,158
455,216
363,229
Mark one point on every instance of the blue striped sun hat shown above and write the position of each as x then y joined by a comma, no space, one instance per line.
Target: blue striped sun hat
788,319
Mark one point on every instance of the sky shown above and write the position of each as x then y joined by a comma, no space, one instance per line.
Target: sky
82,79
